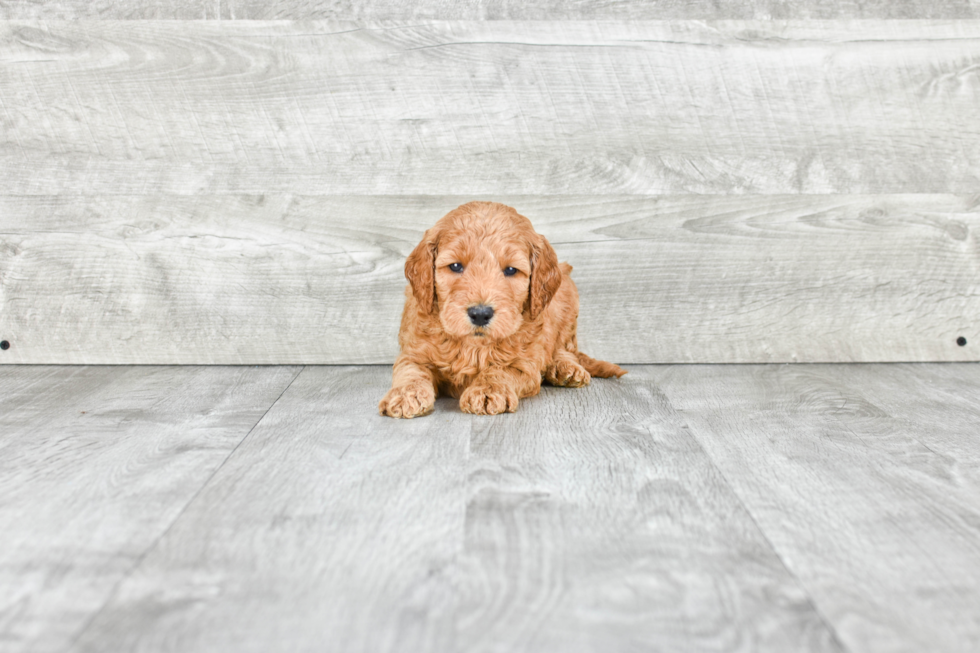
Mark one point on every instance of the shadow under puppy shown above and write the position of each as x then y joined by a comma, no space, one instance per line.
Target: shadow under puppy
489,311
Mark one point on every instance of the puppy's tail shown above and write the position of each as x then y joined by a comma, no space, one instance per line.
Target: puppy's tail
600,369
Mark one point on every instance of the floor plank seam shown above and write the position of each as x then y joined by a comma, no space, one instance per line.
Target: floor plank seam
139,561
765,536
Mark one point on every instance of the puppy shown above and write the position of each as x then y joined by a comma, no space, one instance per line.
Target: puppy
489,313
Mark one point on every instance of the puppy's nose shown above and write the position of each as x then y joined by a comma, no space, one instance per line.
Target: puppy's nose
480,315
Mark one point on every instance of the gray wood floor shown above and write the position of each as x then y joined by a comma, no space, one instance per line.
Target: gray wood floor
681,508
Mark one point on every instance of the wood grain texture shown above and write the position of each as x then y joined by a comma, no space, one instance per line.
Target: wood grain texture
330,528
588,521
490,107
924,397
97,463
482,9
871,506
596,523
274,279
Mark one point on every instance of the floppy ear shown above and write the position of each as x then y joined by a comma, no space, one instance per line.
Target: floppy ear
545,277
420,270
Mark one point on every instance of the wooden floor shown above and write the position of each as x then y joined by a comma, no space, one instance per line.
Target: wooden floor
681,508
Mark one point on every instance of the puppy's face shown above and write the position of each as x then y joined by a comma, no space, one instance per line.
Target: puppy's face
482,283
484,270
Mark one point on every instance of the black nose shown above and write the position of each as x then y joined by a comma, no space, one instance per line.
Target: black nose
480,315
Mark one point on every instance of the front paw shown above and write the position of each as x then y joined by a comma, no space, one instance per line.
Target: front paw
408,401
482,399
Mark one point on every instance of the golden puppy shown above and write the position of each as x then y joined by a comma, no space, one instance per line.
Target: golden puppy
489,311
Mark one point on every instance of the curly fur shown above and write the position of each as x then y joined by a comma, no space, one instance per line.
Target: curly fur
531,336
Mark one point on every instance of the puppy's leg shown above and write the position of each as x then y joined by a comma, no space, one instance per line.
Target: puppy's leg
413,391
497,390
565,370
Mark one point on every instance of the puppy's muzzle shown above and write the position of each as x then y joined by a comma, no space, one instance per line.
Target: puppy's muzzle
480,315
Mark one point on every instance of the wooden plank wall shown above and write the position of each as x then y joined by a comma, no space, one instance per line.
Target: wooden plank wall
728,188
485,9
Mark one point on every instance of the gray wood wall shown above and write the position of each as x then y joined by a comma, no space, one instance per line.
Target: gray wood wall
485,9
729,188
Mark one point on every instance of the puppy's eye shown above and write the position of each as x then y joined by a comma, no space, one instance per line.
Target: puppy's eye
509,272
456,267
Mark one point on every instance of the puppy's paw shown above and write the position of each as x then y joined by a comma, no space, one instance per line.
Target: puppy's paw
481,399
408,401
568,374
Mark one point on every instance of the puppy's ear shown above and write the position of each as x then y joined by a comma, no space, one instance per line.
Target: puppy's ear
545,277
420,270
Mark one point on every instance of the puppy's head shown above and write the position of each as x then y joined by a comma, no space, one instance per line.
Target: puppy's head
484,270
